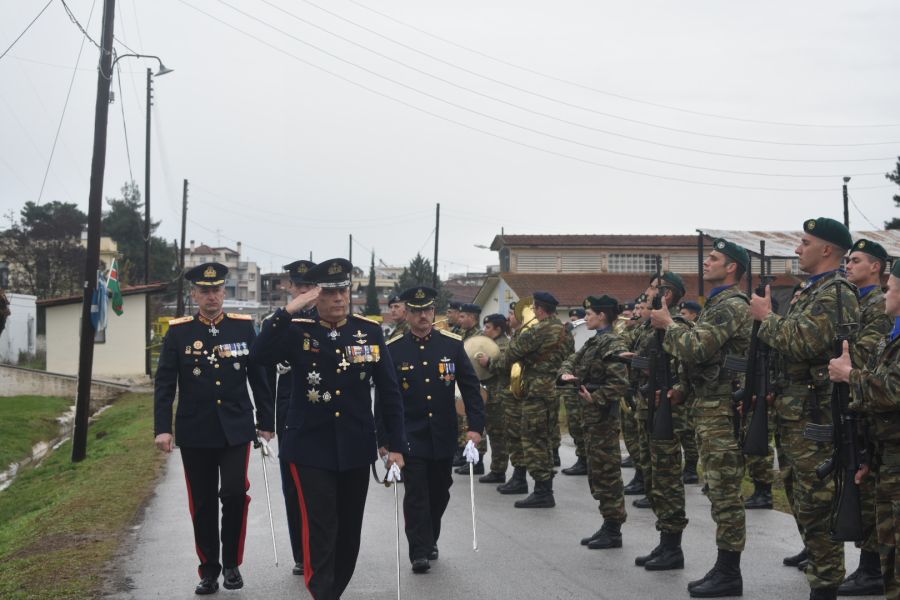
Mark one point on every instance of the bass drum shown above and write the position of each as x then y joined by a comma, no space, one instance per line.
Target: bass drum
581,333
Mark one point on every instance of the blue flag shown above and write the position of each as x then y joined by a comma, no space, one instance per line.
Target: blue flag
99,302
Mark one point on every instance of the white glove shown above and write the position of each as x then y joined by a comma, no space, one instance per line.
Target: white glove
470,452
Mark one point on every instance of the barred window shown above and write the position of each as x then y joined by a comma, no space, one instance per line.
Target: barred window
632,263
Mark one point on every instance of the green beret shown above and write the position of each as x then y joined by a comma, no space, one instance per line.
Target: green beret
831,231
733,251
871,248
674,280
596,303
895,270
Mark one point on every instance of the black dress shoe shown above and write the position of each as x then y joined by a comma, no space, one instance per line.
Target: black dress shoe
433,555
231,578
298,568
420,565
207,585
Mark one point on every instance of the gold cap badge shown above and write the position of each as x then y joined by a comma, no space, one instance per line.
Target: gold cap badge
210,271
335,268
810,225
420,293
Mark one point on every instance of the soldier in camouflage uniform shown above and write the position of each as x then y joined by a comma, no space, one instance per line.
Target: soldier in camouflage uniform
626,330
876,392
496,328
601,379
397,308
638,344
663,476
690,310
864,268
467,320
512,413
722,329
568,397
803,339
541,350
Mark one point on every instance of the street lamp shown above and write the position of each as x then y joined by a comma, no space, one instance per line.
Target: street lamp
162,71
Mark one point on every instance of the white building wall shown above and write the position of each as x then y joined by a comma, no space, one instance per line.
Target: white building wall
121,355
20,333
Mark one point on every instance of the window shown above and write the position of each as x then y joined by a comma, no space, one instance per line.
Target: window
536,263
581,263
632,263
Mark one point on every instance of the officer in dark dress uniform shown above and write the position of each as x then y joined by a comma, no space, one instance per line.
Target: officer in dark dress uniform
329,439
430,363
205,357
280,381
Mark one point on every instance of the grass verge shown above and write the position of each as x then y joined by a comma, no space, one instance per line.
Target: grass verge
61,523
25,421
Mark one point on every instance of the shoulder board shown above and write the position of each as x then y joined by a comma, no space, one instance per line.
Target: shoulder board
181,320
239,316
395,338
302,320
367,319
450,335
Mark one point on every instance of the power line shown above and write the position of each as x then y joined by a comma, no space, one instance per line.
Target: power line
219,233
68,95
513,124
79,26
124,122
498,136
613,94
19,37
852,201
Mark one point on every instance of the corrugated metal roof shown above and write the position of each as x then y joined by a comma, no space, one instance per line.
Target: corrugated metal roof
781,244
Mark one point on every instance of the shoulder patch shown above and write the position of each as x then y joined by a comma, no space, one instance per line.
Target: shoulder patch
181,320
239,316
450,334
302,320
367,319
394,339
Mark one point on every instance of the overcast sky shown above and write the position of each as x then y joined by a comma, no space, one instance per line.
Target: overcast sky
299,122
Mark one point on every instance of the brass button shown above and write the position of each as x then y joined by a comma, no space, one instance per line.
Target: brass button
337,413
337,392
314,364
218,402
337,370
428,397
337,351
427,380
424,363
217,365
421,347
429,414
218,383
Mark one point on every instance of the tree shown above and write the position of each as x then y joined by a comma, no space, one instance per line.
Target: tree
124,223
44,250
420,273
895,177
372,307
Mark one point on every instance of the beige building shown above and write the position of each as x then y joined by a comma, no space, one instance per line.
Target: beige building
118,353
243,282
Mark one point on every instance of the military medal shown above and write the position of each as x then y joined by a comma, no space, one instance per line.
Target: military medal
198,345
360,337
212,358
333,334
212,330
237,366
343,364
196,371
306,344
312,395
326,397
313,378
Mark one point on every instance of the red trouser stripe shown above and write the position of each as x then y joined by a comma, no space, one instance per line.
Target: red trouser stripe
191,508
240,554
307,563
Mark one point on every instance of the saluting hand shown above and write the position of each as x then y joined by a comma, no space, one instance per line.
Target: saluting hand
761,306
303,301
164,442
839,368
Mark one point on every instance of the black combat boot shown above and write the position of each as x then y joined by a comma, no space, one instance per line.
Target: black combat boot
627,462
556,460
610,537
723,580
866,580
635,487
642,502
542,497
762,496
796,559
690,473
671,556
643,560
493,478
579,468
586,540
516,484
823,594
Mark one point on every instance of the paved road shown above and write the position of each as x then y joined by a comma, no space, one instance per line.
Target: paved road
522,554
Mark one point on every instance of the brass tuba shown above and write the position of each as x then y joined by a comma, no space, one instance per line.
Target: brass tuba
525,315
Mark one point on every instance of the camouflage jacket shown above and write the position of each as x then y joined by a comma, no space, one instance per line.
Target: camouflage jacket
467,333
878,387
597,364
874,324
723,329
499,380
644,341
541,349
804,341
400,329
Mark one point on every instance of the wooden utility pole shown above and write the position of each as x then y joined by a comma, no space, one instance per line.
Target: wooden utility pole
846,204
179,311
92,257
437,231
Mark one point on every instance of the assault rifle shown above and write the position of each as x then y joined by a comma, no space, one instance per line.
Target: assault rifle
659,422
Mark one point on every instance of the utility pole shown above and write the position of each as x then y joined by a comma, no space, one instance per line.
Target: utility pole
437,231
846,206
148,338
92,258
179,310
350,258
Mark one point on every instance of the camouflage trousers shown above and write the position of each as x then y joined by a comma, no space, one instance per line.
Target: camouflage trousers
867,509
723,463
537,409
642,458
495,425
630,435
555,434
887,500
761,469
660,462
688,437
811,501
574,418
512,420
604,458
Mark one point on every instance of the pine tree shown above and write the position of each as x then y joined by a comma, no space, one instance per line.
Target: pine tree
419,272
895,177
372,308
